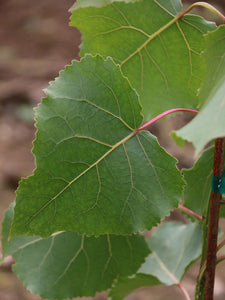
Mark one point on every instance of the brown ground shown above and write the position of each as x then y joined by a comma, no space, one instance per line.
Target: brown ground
35,43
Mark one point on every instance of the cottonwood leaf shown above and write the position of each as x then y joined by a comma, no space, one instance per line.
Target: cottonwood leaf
174,247
95,173
198,179
210,122
68,265
157,51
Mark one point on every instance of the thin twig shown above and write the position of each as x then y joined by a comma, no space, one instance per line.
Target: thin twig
184,291
205,5
190,212
220,245
220,258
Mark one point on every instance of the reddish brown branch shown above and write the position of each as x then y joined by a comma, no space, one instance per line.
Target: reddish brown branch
213,222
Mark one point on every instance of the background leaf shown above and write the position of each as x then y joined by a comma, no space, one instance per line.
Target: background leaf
210,122
95,174
198,179
158,53
175,247
69,265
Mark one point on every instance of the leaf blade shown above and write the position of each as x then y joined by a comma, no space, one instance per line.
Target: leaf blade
209,123
92,166
198,179
174,247
157,46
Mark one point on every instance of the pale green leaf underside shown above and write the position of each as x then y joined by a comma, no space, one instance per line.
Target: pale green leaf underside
210,122
157,52
174,247
95,174
198,179
69,265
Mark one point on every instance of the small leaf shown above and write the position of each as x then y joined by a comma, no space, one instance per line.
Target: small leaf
198,179
210,122
70,265
174,247
95,174
157,51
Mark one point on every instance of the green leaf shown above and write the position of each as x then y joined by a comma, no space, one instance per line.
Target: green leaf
95,174
210,122
69,265
175,247
159,53
125,286
198,179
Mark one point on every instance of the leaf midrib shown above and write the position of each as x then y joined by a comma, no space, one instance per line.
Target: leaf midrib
151,37
164,268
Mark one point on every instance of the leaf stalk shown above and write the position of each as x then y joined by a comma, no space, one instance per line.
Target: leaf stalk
160,116
220,245
187,297
207,6
190,212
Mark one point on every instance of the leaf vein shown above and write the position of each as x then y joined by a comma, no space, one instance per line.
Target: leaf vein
71,261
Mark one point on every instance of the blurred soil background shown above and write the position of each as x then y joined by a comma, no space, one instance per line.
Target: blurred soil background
35,43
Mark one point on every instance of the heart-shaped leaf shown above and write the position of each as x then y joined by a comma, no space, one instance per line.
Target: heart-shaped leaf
95,173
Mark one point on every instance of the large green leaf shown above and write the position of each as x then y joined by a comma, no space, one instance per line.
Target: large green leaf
69,265
174,247
159,52
210,122
95,174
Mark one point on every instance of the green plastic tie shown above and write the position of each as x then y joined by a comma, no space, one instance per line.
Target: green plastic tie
218,184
